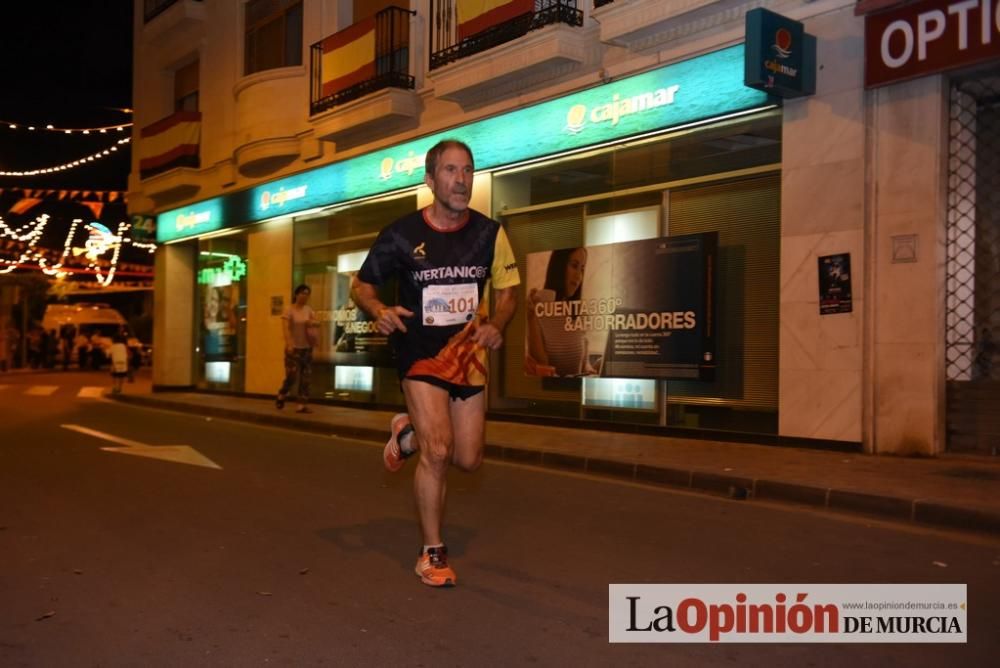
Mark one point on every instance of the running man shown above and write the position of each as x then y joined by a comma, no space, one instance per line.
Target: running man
444,256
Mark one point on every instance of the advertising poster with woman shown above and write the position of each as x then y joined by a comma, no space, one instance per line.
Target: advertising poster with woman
218,325
638,309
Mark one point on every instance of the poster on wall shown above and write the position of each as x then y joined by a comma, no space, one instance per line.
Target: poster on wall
355,340
835,284
218,325
638,309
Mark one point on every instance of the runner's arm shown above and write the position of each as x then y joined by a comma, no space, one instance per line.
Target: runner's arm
506,304
490,333
387,318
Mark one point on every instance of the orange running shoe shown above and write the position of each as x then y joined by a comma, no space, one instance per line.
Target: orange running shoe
433,568
392,455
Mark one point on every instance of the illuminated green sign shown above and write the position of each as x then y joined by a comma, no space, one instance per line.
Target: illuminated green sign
701,88
191,221
232,270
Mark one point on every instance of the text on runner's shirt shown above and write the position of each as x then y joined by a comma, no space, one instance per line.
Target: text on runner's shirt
471,271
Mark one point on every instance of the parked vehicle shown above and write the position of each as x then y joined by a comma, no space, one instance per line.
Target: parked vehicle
97,322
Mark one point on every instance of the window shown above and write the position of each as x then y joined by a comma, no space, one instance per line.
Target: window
273,34
351,362
186,88
221,302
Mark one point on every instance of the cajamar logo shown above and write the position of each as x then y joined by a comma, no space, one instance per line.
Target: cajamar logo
618,108
782,46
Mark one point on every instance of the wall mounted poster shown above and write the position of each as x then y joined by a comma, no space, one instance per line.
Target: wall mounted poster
638,309
218,328
835,284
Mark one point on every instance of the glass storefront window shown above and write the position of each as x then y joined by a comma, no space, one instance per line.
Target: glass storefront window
611,228
351,362
221,304
727,147
720,179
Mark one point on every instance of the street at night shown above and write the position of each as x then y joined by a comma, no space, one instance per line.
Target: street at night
704,294
298,550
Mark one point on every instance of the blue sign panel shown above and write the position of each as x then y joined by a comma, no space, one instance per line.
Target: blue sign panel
693,90
780,56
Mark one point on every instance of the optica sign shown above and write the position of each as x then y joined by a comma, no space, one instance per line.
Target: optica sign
698,89
930,36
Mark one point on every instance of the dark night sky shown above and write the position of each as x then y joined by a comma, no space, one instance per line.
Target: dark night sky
68,64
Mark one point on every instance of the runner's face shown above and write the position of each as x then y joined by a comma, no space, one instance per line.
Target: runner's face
452,179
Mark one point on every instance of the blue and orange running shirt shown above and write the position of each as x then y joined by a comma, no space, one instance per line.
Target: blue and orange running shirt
443,275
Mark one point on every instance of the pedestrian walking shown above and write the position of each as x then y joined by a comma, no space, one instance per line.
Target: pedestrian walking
82,344
300,328
444,257
119,363
66,334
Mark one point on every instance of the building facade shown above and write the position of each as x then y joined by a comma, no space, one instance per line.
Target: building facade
836,251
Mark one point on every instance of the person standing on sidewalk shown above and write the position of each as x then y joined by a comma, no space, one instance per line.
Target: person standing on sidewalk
300,326
119,362
444,257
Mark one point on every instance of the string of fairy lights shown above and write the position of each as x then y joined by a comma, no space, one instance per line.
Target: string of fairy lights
90,248
101,129
13,126
99,242
72,164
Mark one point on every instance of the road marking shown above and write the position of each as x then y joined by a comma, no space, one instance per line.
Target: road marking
90,392
42,390
179,454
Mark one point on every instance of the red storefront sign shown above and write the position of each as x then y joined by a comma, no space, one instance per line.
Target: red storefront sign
930,36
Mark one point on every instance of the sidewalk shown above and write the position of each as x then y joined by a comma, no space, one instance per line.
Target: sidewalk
953,491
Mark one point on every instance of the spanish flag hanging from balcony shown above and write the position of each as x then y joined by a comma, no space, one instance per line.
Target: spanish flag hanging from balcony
170,142
475,16
348,57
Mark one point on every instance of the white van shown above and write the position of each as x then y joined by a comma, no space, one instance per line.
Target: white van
98,322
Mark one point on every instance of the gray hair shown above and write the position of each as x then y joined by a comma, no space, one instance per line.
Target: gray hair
434,154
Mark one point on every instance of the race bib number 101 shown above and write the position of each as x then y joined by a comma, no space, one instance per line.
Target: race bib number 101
450,304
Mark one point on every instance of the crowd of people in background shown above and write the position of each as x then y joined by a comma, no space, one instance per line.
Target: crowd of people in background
66,348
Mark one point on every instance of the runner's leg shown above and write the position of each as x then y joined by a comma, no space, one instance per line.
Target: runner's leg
468,419
429,412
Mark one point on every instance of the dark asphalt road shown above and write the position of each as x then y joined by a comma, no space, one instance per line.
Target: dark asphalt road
299,551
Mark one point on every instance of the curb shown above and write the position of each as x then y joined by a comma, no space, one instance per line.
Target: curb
914,511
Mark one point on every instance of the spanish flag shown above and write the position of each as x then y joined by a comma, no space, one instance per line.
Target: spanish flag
475,16
348,57
170,142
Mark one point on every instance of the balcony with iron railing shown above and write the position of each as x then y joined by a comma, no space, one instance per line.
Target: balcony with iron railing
451,39
360,81
361,59
478,58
